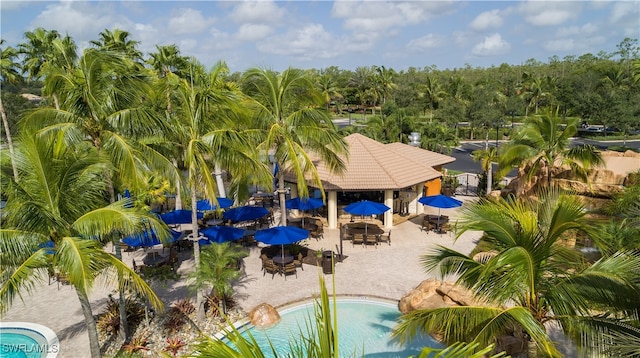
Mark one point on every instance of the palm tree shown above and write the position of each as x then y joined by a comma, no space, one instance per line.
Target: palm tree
8,74
486,157
287,112
61,199
102,104
167,61
218,269
543,142
534,280
432,93
361,81
328,85
203,127
384,78
45,51
118,41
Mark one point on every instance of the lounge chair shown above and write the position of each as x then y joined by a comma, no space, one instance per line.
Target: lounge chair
386,237
358,239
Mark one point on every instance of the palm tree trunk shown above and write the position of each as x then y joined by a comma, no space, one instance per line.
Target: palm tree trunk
196,254
282,198
218,174
94,343
7,132
123,331
489,177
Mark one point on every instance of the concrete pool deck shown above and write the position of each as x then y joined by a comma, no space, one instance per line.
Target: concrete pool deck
388,271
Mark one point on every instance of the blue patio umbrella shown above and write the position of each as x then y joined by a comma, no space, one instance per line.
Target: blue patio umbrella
440,201
179,217
304,204
221,234
49,245
204,204
366,208
281,235
244,213
149,238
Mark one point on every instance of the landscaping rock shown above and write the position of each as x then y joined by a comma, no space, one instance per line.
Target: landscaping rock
264,315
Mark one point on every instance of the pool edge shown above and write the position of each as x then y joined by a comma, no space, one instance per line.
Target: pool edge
49,335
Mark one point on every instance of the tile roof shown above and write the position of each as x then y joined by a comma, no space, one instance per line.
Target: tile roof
376,166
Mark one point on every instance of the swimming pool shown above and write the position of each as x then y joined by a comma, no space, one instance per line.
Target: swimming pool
364,328
27,340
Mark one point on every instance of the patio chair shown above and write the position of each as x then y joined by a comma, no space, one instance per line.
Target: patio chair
426,225
444,228
62,279
290,269
357,239
386,237
318,233
270,267
298,261
371,240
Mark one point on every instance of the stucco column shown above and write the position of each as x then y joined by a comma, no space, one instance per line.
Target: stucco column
419,207
388,216
332,209
293,191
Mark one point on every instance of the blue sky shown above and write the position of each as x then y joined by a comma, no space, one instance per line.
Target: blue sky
347,34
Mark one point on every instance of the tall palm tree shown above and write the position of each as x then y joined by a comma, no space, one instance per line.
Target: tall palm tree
385,78
431,91
165,61
45,51
486,157
361,81
101,103
328,85
119,41
543,142
204,131
287,112
61,199
534,280
218,269
8,74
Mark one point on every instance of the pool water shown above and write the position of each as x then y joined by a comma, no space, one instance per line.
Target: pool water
18,345
364,329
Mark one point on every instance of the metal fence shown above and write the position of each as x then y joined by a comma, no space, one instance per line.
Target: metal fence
467,183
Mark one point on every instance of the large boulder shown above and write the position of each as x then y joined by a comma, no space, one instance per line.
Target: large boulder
264,315
432,293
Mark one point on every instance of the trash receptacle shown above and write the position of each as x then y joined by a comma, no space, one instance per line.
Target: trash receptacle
327,261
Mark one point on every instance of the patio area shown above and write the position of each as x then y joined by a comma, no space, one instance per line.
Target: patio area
390,271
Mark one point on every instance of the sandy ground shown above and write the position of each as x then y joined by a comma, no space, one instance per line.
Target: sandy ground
388,271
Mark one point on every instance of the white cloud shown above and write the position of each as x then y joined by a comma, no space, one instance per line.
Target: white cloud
188,21
308,42
549,13
379,16
623,9
585,29
257,12
83,21
253,32
486,20
578,44
426,42
491,45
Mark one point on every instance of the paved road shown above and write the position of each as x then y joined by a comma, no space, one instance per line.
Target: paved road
464,159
